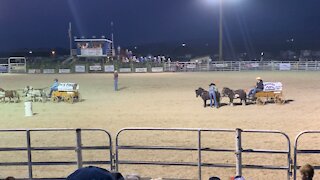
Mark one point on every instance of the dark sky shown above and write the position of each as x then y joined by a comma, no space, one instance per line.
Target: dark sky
252,24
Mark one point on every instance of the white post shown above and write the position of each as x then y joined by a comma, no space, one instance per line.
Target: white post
28,109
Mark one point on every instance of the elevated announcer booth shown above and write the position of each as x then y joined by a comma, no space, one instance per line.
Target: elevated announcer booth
94,48
95,53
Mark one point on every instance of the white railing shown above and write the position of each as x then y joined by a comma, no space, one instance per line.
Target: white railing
243,66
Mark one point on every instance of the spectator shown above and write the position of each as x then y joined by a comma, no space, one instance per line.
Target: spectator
10,178
94,173
239,178
115,78
214,178
307,172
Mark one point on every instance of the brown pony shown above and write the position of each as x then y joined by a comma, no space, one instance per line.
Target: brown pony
11,94
205,96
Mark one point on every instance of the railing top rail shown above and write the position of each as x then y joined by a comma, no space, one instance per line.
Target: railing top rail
200,129
52,129
301,133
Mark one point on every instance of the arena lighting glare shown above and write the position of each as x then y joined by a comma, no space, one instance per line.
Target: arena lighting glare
220,25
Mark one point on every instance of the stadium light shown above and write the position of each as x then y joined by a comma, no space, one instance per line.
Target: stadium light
220,31
220,26
53,52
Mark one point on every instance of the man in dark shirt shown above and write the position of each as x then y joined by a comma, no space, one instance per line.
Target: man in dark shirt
259,87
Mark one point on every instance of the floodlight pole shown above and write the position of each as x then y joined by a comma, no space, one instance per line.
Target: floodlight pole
220,32
70,39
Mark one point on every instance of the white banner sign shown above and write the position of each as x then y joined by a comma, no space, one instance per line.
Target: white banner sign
272,86
80,68
191,66
125,70
254,65
141,70
48,71
34,71
221,65
108,68
95,68
157,69
64,71
91,52
68,87
284,66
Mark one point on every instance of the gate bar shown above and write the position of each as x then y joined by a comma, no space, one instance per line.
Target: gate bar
79,148
296,151
199,153
29,154
238,153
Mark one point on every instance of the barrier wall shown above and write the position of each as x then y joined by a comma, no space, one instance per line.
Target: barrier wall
183,67
38,146
33,142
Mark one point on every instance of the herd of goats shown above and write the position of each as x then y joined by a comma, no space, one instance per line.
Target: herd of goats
28,93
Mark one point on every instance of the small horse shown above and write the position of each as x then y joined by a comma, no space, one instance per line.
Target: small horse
205,95
11,94
240,93
35,94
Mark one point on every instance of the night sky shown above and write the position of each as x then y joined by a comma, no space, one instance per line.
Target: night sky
252,25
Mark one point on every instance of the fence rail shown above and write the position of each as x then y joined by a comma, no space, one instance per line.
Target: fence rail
298,151
243,66
238,151
132,67
115,160
30,149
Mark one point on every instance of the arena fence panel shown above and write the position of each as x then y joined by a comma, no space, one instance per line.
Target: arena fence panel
35,146
305,151
242,66
238,151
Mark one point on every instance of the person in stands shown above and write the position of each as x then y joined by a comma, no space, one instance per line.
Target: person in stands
307,172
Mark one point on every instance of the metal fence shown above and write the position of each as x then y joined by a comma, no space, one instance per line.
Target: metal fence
298,151
78,149
243,66
115,160
237,151
131,67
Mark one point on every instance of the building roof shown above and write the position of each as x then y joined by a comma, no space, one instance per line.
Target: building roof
93,40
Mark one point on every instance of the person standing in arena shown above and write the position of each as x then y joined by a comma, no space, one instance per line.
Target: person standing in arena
115,78
212,94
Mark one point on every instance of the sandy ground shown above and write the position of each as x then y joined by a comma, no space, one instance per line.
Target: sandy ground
163,100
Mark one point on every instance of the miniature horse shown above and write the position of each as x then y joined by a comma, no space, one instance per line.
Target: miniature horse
240,93
11,94
205,96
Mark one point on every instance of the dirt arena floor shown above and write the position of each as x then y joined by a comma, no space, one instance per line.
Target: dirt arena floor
164,100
